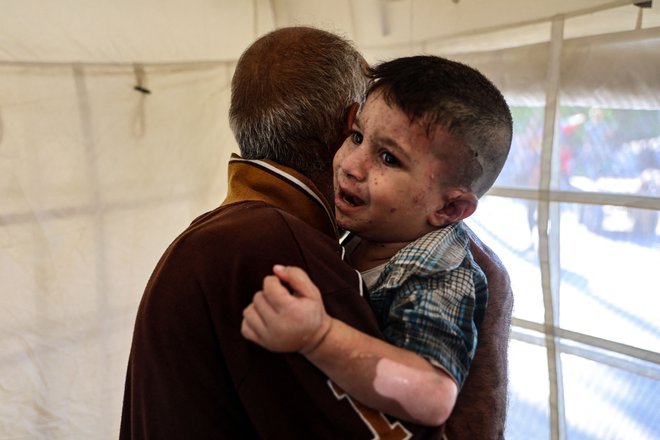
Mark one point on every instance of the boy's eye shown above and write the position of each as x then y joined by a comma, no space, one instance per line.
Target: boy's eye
357,137
389,159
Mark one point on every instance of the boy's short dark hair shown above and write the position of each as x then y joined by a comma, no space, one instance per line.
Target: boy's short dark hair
441,92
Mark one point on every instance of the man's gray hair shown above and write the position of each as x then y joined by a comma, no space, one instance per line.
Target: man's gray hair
290,94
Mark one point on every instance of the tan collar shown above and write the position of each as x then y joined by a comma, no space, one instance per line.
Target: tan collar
281,187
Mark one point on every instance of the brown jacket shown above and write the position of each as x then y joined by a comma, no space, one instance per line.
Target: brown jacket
192,375
480,410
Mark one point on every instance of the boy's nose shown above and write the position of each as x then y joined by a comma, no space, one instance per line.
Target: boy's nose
354,165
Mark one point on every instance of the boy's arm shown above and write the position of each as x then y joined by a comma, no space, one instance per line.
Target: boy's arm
379,375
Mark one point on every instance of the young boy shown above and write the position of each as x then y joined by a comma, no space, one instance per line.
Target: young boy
431,139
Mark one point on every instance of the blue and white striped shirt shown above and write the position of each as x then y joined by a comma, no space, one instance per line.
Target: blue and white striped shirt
430,299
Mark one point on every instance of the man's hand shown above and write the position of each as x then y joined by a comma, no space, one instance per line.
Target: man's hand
283,321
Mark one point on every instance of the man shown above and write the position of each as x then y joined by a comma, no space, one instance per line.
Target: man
191,374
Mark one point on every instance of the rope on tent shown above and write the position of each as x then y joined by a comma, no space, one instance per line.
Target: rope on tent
139,125
140,77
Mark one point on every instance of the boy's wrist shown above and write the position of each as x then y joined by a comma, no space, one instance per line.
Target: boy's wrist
319,336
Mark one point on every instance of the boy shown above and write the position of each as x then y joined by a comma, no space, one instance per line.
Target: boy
431,139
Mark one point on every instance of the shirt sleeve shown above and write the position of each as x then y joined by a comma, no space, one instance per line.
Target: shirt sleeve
435,318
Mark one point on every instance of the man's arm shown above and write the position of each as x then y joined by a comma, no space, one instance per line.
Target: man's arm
378,374
480,410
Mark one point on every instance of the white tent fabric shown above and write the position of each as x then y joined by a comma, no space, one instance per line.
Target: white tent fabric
114,136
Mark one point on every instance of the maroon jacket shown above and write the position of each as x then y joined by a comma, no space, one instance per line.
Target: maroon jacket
191,375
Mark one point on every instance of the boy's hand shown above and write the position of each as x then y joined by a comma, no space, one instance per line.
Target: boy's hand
285,322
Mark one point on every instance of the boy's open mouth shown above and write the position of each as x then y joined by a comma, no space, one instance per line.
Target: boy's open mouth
350,199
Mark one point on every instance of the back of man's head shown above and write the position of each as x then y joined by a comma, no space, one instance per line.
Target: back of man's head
290,94
458,98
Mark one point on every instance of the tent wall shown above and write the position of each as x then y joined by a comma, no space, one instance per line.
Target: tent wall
96,179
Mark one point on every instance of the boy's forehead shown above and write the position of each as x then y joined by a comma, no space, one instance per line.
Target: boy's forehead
376,101
372,99
377,97
433,141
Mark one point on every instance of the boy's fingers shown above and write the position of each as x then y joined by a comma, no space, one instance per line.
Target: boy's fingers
266,307
270,282
247,332
298,280
251,322
277,295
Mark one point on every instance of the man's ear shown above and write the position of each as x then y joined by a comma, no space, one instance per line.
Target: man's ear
458,205
351,112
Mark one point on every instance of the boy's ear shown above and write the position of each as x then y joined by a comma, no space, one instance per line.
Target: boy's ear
458,205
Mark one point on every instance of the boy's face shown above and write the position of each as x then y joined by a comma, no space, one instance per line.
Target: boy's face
388,176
